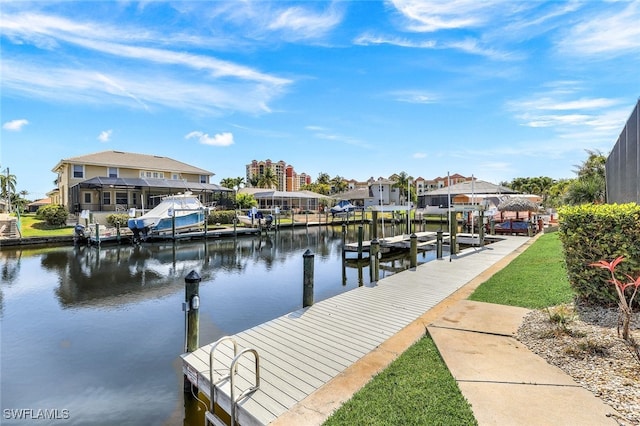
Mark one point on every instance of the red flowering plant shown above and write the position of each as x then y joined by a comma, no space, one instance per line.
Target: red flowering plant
626,290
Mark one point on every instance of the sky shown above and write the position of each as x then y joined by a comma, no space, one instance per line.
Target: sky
357,89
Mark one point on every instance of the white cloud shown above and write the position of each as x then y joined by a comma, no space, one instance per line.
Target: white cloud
605,32
194,81
301,23
419,155
134,88
468,45
414,96
105,135
441,15
370,39
577,122
220,139
15,125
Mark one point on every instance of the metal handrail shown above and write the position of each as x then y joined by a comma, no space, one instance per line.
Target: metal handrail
212,384
246,391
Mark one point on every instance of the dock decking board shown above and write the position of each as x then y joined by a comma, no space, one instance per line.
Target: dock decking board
305,349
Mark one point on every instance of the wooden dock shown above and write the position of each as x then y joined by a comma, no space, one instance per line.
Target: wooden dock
302,351
426,241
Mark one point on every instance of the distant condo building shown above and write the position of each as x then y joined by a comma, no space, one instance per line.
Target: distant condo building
285,177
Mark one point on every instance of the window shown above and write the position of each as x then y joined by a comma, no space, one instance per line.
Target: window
155,175
203,179
87,198
175,176
112,172
121,198
106,198
78,171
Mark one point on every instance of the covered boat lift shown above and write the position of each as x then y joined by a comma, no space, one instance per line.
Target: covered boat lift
138,193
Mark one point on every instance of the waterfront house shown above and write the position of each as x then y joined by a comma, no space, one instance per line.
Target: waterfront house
466,192
115,181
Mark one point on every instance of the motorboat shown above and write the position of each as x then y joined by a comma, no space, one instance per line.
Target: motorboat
185,210
256,219
342,208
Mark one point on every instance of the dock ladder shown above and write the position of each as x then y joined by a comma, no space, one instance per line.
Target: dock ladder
210,416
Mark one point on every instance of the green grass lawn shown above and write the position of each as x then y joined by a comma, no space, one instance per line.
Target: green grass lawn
417,388
535,279
32,227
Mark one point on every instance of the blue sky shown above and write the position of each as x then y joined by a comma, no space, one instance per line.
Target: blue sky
494,89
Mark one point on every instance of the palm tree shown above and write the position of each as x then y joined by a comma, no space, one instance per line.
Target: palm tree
7,187
589,189
403,180
323,178
7,184
227,182
268,179
339,184
253,181
238,182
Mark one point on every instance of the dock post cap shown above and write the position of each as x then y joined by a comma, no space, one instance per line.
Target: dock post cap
192,277
308,253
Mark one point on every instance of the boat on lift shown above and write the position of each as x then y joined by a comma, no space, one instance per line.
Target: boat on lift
342,208
185,210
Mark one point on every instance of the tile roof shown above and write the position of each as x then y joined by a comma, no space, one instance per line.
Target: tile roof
135,161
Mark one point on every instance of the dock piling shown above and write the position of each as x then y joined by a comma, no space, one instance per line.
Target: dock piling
439,245
191,307
413,262
374,260
307,281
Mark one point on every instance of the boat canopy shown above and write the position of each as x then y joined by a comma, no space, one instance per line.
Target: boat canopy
139,183
178,203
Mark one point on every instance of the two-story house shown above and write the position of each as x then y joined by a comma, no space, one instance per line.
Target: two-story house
117,181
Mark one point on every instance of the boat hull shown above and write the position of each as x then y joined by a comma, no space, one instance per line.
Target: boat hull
180,213
151,226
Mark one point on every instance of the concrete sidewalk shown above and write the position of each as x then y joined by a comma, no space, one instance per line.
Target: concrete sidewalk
506,383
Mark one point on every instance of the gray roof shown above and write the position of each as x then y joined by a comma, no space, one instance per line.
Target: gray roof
479,187
261,193
354,194
99,182
134,161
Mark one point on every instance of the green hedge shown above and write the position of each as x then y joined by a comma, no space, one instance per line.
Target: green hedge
53,214
121,218
224,217
590,233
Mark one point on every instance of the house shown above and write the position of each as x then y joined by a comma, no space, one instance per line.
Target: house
383,192
466,192
117,181
296,201
34,206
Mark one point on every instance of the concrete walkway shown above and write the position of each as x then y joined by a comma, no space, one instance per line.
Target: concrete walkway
505,383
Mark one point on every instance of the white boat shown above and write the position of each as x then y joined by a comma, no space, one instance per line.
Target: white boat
258,219
342,208
185,209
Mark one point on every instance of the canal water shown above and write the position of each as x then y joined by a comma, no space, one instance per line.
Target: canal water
92,336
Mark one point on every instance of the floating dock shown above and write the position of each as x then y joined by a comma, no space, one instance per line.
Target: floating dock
299,353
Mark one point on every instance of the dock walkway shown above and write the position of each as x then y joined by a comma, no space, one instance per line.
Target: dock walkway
301,352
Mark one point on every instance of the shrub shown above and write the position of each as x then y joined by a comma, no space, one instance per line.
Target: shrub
53,214
224,217
590,233
117,218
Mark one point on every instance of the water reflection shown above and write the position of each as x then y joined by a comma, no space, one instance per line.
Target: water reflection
98,332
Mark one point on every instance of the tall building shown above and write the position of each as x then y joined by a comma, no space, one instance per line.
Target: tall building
286,177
